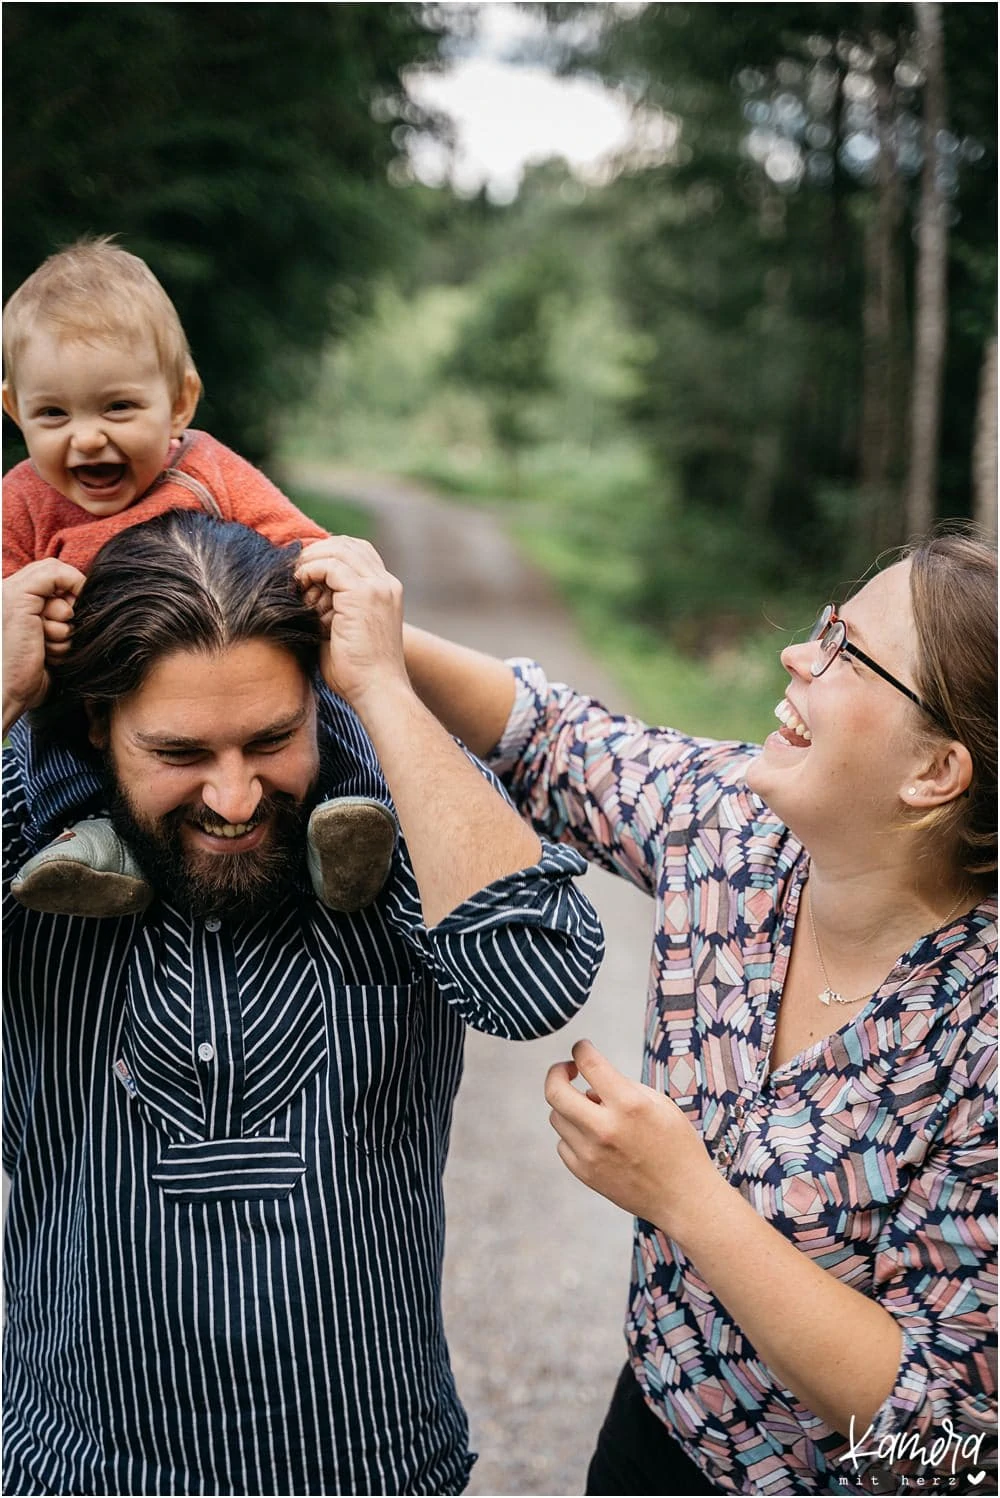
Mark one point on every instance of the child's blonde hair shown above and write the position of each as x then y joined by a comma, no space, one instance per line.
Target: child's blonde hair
95,291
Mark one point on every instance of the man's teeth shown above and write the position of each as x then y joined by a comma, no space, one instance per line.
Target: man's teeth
229,829
786,714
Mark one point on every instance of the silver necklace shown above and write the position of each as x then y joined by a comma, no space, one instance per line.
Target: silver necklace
829,994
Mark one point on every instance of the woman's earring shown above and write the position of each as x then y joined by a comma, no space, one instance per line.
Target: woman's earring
911,790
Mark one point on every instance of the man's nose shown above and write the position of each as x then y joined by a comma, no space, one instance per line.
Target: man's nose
232,791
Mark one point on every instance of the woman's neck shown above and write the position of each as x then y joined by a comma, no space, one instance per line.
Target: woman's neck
883,908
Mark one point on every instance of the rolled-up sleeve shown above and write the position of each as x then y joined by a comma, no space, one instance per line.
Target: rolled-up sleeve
518,958
936,1274
607,783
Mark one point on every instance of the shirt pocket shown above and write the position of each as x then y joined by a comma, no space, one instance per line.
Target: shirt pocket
374,1037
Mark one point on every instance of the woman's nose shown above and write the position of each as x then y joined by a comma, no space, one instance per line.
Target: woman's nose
797,659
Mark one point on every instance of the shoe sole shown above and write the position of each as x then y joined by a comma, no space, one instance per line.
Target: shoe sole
355,850
59,889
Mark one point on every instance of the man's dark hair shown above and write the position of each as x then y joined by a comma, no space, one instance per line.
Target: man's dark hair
182,581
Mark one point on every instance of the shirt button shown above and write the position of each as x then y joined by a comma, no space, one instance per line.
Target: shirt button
206,1051
213,924
723,1156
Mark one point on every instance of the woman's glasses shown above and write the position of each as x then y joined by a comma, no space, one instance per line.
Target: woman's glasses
830,634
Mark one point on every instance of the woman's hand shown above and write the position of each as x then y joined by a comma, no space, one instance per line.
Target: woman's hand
360,605
37,612
630,1143
834,1347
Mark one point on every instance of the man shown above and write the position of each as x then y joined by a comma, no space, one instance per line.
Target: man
227,1118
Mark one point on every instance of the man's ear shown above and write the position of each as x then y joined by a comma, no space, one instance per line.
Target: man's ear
186,404
97,725
945,775
10,402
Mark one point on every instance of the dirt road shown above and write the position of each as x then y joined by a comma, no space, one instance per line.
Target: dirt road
537,1267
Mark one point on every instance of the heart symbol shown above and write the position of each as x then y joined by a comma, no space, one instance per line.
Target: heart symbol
975,1480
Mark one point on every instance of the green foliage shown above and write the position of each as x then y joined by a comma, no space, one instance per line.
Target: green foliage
390,395
237,149
740,257
503,348
686,390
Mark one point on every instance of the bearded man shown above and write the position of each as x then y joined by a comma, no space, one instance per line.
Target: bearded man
226,1119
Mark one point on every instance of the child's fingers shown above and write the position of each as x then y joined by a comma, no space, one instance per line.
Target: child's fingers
59,608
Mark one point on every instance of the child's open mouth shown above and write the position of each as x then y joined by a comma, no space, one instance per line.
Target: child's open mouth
97,478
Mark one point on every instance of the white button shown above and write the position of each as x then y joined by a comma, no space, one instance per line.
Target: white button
206,1051
213,924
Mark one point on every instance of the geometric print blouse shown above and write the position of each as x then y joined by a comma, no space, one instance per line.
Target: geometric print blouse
873,1151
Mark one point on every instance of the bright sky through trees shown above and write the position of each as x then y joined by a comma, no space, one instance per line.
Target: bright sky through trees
508,113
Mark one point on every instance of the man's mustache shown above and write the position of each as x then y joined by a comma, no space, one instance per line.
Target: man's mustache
210,822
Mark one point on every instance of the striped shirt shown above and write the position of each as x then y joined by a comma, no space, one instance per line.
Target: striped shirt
873,1151
226,1143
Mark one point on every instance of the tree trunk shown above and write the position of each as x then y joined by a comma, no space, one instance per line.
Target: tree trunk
931,291
880,434
984,450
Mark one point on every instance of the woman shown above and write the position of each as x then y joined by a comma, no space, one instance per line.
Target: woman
810,1158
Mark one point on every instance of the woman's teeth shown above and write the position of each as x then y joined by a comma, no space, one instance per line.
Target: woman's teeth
790,719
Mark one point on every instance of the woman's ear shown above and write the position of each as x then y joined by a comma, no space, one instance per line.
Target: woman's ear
945,775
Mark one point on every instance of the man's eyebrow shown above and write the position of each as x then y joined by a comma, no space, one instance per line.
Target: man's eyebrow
273,730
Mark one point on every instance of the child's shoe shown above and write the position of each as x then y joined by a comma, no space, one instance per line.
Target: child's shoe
349,851
86,871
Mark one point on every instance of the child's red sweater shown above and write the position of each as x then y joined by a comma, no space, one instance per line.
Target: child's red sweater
39,522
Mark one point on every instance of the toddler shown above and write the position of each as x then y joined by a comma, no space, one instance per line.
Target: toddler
99,378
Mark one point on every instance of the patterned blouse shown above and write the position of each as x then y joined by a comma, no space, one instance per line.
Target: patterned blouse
872,1150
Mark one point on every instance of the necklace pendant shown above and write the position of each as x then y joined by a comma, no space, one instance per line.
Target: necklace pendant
831,996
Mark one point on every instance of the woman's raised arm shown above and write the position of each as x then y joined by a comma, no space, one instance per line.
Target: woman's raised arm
470,693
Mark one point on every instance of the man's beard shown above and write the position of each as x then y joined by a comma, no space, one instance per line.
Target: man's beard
237,885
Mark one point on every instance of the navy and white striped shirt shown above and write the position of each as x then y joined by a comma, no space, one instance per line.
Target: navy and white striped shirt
226,1144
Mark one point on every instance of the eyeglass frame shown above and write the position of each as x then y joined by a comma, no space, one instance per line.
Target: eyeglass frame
829,619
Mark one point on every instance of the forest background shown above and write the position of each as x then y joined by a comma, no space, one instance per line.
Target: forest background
705,387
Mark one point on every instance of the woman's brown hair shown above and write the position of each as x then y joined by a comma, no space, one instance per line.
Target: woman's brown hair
953,591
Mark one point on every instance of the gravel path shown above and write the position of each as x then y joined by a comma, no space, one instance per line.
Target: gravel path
537,1267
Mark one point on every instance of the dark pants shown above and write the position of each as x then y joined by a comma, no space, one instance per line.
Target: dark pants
636,1454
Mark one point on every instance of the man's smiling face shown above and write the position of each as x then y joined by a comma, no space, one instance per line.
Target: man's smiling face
215,763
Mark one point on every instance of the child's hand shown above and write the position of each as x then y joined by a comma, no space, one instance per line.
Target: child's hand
37,607
57,624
